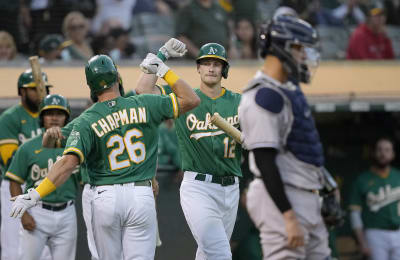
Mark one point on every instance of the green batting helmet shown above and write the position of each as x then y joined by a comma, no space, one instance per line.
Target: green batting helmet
101,73
54,102
215,51
26,80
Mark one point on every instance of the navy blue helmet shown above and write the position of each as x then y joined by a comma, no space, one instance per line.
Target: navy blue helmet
278,36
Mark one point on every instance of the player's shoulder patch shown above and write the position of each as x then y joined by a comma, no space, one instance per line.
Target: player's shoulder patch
269,99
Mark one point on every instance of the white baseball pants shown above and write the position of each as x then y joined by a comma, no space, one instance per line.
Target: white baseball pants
210,211
87,198
56,229
384,244
124,222
10,228
269,221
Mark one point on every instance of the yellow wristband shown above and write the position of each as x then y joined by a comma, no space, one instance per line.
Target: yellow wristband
171,78
45,188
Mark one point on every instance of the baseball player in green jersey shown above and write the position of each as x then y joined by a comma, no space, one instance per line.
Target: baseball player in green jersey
210,159
53,221
375,206
117,139
18,124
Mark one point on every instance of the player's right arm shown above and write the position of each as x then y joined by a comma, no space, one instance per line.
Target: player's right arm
17,173
187,99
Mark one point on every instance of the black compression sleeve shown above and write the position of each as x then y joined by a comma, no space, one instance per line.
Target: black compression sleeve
265,161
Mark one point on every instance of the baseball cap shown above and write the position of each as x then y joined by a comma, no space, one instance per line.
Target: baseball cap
376,9
52,42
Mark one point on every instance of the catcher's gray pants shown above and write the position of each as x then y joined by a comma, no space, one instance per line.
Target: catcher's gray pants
269,220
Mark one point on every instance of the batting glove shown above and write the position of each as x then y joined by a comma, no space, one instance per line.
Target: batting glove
24,202
153,65
172,48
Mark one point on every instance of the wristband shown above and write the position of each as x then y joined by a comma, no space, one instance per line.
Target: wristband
171,78
161,56
45,187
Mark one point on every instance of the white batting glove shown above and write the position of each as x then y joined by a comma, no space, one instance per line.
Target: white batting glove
173,48
154,65
24,202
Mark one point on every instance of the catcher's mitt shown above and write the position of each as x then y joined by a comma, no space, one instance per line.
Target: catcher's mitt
331,211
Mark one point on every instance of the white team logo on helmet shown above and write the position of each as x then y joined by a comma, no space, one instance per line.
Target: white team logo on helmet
55,101
212,51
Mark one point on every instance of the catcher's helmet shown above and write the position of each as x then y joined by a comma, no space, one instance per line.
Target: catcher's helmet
54,102
26,80
277,37
101,73
215,51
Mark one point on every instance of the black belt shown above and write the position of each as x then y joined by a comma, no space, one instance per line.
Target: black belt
57,208
223,180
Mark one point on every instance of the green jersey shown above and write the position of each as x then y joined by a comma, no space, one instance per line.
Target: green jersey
31,165
204,147
118,138
378,198
18,125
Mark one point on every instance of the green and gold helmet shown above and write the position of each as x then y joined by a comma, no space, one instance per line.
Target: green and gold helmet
101,73
215,51
54,102
26,80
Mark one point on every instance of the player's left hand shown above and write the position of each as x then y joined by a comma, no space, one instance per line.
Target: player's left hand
173,48
153,65
24,202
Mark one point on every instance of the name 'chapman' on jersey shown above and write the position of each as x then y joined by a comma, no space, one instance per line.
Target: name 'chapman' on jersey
119,118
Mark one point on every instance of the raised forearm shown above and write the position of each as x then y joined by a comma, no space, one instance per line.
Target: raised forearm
63,169
146,84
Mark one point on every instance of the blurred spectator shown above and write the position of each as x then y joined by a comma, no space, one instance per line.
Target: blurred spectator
8,50
123,48
392,8
51,46
241,9
369,40
374,206
75,28
245,44
11,12
119,11
350,13
201,22
319,15
151,6
102,44
300,6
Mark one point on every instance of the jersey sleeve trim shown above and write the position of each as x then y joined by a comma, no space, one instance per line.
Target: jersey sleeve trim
8,141
76,151
355,207
174,105
14,177
162,90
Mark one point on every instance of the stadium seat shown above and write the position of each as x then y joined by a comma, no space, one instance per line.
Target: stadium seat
334,41
393,33
150,31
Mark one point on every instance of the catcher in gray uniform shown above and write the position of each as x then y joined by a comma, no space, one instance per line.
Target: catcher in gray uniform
286,155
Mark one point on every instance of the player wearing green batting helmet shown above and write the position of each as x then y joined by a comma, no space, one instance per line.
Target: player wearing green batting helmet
101,73
26,80
214,51
56,102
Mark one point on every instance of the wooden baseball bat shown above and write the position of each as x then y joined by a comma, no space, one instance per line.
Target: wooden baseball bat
37,76
221,123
